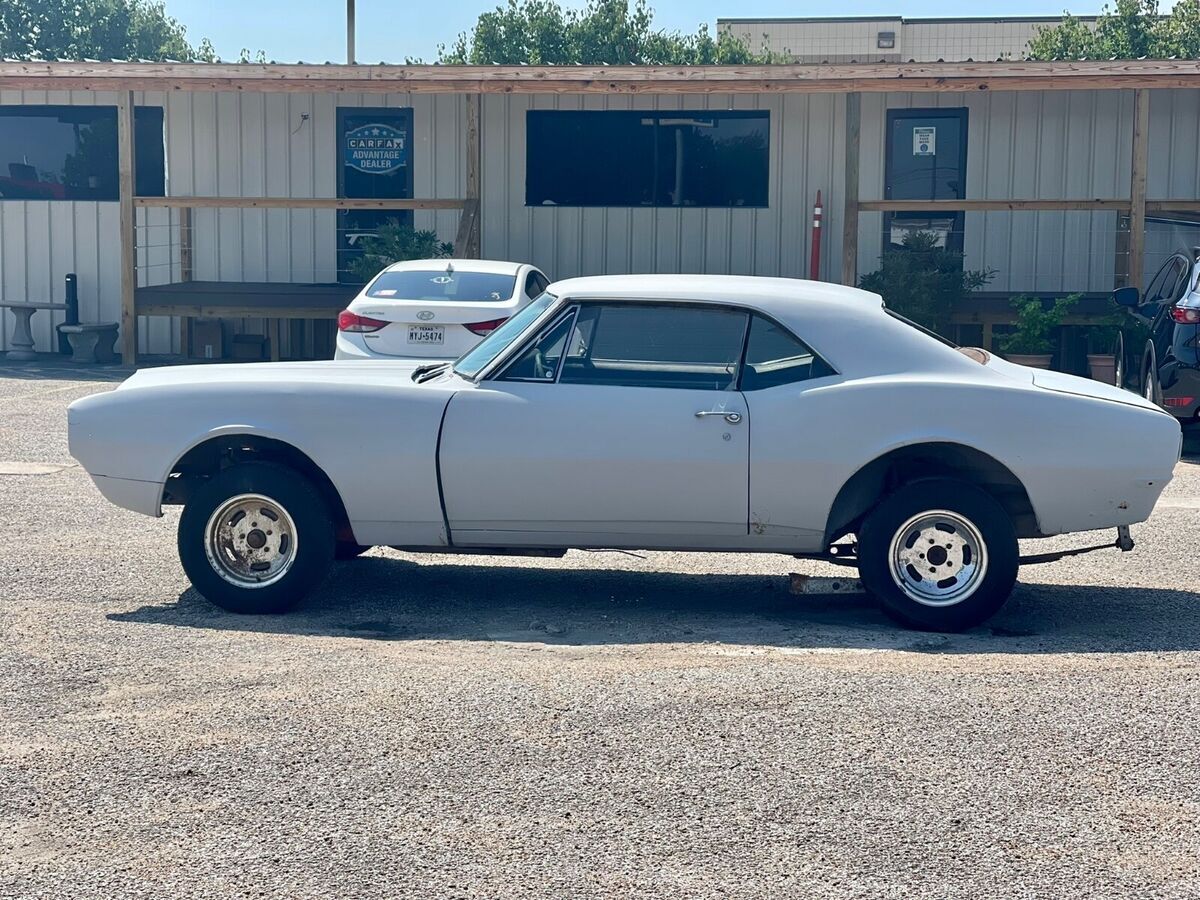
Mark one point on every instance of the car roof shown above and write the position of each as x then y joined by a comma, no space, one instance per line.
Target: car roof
493,266
772,295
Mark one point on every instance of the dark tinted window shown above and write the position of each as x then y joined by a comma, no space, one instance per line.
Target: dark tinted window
442,284
646,158
655,345
775,356
535,284
70,152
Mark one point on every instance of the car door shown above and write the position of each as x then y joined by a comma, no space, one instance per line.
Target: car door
1165,289
618,425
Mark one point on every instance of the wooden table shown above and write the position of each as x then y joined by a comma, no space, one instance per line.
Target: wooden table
271,301
22,339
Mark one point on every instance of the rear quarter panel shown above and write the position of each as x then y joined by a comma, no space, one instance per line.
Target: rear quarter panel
1085,463
376,442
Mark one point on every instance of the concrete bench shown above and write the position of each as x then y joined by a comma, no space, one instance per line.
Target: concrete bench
22,338
91,343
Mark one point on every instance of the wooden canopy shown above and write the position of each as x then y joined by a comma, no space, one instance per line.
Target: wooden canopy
1002,75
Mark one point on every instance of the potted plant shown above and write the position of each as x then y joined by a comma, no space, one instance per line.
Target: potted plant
1030,343
1102,340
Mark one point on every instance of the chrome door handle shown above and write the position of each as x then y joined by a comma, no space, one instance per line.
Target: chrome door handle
731,417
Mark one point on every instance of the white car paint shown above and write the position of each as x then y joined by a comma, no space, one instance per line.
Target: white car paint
559,465
441,317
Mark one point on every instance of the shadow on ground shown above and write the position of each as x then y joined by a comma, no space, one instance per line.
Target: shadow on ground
380,598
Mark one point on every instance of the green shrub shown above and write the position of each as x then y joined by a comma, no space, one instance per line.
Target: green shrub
923,281
1036,324
394,243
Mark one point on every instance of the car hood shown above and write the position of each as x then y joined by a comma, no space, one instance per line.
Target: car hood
1067,384
356,371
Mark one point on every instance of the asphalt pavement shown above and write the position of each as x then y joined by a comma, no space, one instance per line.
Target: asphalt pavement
604,725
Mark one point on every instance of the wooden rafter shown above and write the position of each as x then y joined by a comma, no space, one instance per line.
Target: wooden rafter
1001,75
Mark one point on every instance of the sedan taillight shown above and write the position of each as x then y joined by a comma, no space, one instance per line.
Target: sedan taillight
1186,315
485,328
348,321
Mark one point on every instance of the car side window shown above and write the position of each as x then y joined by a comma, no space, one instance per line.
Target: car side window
655,345
540,362
535,284
775,356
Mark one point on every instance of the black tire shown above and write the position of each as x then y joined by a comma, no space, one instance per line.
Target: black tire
301,570
1151,389
344,550
983,593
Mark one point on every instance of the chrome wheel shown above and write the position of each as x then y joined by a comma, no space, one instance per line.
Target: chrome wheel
938,558
250,541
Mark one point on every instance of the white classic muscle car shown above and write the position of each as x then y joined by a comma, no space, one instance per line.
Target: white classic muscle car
705,413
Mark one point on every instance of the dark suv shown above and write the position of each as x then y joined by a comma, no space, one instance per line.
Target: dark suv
1166,370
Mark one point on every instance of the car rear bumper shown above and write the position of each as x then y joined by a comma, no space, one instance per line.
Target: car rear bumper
354,346
1181,383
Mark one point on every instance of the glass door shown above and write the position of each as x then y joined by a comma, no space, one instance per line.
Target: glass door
926,160
374,163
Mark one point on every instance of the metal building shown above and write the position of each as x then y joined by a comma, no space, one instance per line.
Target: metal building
237,190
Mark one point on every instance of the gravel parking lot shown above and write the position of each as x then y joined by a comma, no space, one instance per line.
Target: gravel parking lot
653,725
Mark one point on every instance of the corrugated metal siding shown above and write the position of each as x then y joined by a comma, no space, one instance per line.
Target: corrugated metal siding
1053,145
232,145
1059,144
806,149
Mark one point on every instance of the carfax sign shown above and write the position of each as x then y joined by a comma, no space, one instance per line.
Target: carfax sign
376,149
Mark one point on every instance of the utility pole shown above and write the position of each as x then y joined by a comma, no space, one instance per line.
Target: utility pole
350,32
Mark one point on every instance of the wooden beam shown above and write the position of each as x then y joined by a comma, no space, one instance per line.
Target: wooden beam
468,226
987,205
474,155
1137,186
291,203
1161,206
185,274
1001,75
850,204
126,166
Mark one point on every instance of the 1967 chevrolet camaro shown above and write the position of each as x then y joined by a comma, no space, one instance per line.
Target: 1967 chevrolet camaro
702,413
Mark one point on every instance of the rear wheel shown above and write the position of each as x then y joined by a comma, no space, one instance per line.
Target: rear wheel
256,538
940,555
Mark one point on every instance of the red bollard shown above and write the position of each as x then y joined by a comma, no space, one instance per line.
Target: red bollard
814,261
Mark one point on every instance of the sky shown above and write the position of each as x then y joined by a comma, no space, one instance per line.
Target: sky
391,30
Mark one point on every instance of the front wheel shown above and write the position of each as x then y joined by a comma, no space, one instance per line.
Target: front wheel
940,555
256,538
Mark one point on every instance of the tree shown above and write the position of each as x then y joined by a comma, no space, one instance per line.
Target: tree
1131,29
94,29
605,32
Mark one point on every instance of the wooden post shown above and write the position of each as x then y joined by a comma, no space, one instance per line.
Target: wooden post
1137,186
850,200
474,154
185,274
128,223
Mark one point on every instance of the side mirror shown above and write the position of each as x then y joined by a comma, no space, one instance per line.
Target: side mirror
1127,296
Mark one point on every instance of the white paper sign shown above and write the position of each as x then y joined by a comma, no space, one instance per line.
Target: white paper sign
925,141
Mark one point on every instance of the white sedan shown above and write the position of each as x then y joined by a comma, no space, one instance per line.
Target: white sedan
702,413
434,308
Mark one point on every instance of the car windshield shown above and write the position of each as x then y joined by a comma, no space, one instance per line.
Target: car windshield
433,285
473,361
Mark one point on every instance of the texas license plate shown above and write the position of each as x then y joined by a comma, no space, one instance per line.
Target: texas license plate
426,334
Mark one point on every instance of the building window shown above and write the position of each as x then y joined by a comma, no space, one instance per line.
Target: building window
692,158
70,152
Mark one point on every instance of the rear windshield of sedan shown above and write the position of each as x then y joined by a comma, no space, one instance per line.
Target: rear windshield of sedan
442,284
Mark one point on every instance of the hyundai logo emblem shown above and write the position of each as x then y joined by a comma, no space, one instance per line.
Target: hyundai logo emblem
424,315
